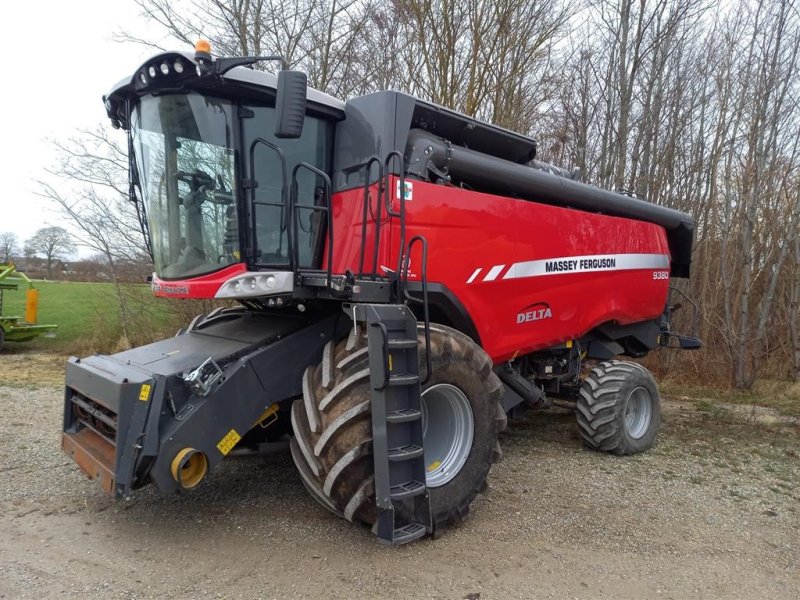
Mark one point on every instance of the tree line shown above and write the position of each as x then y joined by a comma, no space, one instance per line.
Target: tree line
691,104
52,243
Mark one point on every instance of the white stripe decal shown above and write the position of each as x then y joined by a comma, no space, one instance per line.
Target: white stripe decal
585,264
494,272
474,275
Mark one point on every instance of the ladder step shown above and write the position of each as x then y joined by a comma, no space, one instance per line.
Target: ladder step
405,452
409,533
404,379
406,490
403,416
402,343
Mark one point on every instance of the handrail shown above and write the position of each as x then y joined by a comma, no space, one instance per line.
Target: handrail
365,214
402,212
326,207
385,347
425,312
285,203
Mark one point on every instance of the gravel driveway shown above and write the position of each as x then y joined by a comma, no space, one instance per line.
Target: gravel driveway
712,512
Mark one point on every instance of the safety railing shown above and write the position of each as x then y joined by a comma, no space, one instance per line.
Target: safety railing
285,205
324,207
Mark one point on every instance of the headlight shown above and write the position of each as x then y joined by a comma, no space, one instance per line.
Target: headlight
253,285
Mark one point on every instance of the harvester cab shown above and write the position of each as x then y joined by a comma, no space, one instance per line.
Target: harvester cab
404,277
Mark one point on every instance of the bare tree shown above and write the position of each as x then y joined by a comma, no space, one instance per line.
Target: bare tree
8,245
95,200
487,59
323,37
793,312
53,243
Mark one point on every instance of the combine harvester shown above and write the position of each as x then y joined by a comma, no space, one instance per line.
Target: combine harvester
15,329
406,276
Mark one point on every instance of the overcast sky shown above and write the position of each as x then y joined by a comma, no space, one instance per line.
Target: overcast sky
59,59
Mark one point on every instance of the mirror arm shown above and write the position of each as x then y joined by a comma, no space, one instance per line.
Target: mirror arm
220,66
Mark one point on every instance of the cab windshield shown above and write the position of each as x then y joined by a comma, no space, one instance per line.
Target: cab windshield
185,153
186,161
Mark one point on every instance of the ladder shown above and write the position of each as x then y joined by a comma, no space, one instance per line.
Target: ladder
401,496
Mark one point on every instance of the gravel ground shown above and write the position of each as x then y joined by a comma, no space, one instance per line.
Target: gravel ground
713,511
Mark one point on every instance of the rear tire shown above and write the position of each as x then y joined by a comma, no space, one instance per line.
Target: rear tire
332,444
619,408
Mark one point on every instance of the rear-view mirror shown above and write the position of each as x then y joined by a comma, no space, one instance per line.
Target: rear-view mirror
290,105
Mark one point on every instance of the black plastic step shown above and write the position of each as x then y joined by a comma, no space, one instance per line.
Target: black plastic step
406,452
402,343
404,379
409,533
406,490
403,416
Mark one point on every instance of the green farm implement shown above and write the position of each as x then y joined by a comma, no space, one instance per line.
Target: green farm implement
19,329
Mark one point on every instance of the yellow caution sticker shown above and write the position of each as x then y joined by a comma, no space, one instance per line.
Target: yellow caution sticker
227,443
144,393
434,465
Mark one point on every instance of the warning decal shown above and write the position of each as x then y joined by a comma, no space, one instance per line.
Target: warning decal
227,443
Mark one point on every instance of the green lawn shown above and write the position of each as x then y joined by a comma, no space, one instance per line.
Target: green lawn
88,315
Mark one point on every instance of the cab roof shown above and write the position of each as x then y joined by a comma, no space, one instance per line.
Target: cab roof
237,81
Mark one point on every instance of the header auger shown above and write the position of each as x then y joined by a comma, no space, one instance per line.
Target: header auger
406,276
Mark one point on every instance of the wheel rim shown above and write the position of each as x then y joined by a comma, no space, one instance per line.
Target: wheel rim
447,431
638,412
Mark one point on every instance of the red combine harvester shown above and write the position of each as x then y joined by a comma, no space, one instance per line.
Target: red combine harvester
405,277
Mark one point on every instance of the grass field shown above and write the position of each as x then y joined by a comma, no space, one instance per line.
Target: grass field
88,315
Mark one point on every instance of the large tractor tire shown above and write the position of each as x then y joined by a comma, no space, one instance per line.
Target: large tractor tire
462,417
619,408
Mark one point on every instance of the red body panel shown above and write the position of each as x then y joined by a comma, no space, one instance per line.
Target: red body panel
474,239
204,286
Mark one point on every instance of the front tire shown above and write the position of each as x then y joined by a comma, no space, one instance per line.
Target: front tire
462,417
619,408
